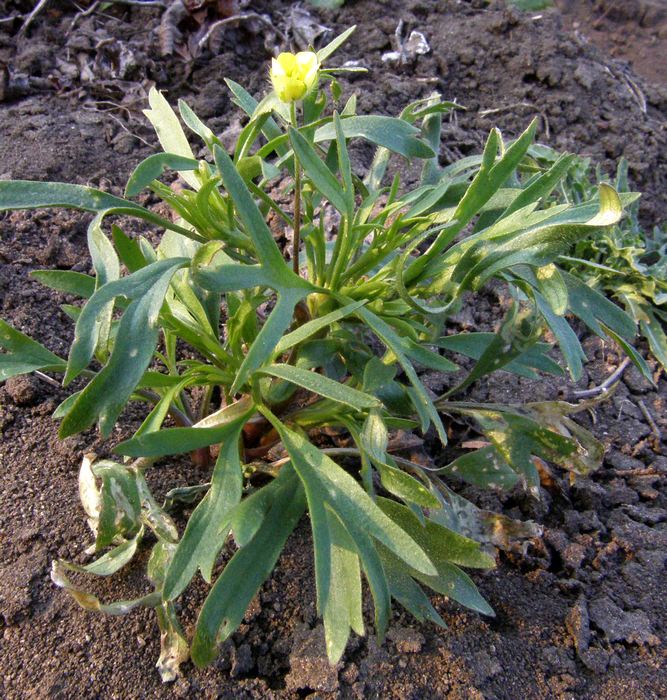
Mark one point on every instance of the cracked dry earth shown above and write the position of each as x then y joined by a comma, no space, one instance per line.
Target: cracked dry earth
581,612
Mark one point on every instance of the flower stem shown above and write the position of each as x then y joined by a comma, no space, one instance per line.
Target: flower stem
297,200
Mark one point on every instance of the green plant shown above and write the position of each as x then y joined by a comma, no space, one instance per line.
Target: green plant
624,262
294,377
531,5
327,4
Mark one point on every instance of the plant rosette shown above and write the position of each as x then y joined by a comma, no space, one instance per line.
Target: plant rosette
294,374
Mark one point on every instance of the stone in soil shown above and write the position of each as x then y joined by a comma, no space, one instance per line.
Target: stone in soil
23,390
406,639
309,665
621,626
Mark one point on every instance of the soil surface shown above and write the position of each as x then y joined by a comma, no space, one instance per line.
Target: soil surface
581,612
631,30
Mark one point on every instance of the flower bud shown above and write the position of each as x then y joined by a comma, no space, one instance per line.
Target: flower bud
293,75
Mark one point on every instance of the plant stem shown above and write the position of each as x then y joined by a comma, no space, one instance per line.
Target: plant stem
179,416
606,384
297,200
337,256
205,404
297,217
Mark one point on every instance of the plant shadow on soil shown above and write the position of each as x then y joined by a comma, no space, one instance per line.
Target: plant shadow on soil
580,613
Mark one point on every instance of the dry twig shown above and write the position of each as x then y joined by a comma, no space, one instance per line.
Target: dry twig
498,110
119,121
28,20
95,5
649,419
606,385
236,18
11,18
48,380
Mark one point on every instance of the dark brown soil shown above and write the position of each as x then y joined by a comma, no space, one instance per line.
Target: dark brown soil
581,613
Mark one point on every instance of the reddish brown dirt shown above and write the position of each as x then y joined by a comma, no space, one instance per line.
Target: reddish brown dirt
631,30
581,614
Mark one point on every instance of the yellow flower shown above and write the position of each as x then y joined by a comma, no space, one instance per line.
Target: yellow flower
293,75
